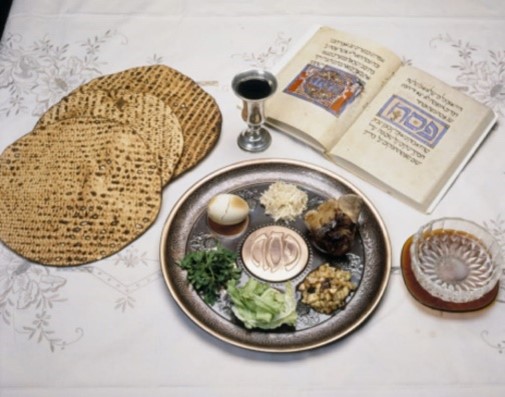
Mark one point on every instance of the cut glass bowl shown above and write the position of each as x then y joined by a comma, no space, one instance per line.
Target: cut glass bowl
456,260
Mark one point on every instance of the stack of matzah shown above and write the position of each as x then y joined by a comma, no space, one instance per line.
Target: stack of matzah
87,180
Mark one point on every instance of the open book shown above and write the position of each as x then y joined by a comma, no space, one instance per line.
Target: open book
389,123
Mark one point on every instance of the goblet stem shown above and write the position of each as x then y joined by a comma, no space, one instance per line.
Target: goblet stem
253,113
255,138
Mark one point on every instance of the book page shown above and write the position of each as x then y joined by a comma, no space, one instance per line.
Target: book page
416,135
327,83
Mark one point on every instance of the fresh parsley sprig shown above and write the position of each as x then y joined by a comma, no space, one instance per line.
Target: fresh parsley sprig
209,271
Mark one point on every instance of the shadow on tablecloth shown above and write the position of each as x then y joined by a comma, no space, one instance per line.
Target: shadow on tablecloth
4,13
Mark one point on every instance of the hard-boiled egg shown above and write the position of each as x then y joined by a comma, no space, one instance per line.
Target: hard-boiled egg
227,209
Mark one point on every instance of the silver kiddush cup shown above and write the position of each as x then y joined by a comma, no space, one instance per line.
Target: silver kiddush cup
254,87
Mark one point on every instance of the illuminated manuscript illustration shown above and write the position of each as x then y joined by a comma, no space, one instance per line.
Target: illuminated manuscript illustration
331,88
413,121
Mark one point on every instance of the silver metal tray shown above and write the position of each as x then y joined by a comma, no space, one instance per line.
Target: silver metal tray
186,230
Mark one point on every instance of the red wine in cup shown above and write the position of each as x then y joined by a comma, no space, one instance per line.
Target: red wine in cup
255,88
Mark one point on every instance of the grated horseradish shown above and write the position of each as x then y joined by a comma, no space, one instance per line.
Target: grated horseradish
284,201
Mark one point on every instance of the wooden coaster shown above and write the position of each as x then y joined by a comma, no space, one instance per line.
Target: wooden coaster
425,298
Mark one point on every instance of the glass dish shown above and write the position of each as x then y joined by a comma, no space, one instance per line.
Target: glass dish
456,260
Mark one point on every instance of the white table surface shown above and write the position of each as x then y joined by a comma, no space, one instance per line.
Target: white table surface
111,328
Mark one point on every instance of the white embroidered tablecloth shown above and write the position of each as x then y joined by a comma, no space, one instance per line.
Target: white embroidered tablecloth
112,329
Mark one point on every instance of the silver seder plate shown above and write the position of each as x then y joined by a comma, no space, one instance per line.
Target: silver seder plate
275,252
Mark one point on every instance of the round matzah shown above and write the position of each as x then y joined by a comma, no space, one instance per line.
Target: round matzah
76,191
196,110
148,115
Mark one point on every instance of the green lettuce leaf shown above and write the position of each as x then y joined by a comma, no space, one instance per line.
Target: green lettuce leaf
258,305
